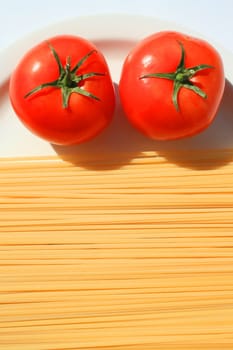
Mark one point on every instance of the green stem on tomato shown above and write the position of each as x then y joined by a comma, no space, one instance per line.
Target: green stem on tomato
68,80
181,78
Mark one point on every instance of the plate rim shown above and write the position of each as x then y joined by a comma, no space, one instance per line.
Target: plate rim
23,44
39,146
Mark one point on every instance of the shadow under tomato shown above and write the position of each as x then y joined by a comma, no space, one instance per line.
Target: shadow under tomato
4,88
120,143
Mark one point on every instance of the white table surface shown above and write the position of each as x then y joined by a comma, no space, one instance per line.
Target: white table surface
213,18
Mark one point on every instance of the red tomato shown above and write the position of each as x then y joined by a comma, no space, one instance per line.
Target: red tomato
171,85
62,90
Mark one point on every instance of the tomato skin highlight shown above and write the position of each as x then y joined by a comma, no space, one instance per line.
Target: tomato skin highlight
42,112
148,102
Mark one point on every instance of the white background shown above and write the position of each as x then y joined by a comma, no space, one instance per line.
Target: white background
213,18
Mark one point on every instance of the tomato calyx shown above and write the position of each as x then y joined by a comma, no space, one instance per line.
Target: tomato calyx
68,80
181,78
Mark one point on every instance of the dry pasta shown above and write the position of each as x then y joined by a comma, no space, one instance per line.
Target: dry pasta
105,255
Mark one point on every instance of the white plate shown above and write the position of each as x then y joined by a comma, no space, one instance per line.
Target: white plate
114,35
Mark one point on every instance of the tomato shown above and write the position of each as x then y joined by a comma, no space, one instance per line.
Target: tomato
62,90
171,85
